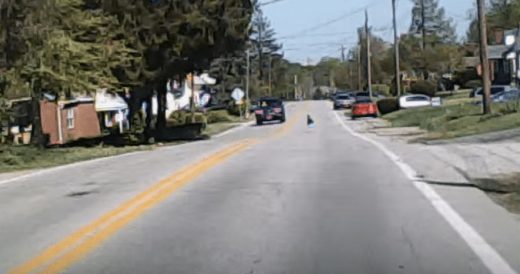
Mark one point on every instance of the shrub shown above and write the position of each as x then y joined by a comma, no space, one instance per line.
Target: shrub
177,118
461,77
388,105
424,87
382,89
180,118
473,84
219,116
197,118
234,109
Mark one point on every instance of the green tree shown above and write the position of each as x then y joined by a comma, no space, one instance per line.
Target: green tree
179,37
501,15
427,16
263,43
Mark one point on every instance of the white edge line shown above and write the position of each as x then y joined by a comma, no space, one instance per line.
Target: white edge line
56,168
487,254
233,129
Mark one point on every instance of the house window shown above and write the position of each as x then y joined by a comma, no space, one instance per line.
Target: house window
70,118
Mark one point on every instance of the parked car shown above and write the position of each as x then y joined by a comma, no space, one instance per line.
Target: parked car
343,101
364,107
362,94
506,96
478,92
414,101
270,109
340,93
367,94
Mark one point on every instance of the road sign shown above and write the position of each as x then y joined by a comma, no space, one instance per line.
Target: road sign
237,94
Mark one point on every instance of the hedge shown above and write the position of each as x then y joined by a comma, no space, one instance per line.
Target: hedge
388,105
424,87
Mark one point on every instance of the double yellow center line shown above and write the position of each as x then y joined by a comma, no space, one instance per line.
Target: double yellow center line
66,252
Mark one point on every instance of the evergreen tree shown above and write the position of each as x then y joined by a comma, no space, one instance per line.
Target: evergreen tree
263,42
427,16
69,47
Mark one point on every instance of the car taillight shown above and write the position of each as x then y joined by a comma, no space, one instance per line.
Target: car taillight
260,112
277,110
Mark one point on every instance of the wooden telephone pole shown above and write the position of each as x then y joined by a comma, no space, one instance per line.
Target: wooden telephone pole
368,55
359,85
396,54
484,61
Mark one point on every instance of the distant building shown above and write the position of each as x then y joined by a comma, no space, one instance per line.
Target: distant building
503,57
67,121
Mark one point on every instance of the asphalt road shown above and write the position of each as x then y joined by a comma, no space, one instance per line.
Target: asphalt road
270,199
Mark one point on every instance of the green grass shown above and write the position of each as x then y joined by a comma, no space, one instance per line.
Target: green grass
14,158
451,121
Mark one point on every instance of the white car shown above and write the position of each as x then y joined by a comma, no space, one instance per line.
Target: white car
414,101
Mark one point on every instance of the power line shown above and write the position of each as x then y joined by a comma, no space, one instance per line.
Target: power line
317,35
269,3
335,20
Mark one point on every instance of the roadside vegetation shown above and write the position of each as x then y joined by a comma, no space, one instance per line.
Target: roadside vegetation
457,118
15,158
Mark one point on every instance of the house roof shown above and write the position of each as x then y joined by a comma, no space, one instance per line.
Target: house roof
497,51
511,32
471,62
107,101
78,100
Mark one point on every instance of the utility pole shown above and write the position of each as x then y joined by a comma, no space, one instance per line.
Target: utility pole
270,74
484,61
359,86
396,54
350,65
343,53
423,25
295,87
248,75
369,65
261,46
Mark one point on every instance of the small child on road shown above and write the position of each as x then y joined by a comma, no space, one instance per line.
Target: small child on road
310,121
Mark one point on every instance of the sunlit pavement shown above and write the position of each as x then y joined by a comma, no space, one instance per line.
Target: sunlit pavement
272,199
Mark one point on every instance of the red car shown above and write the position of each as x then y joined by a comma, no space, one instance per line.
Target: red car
364,107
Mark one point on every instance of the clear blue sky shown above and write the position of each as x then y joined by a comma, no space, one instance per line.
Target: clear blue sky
298,19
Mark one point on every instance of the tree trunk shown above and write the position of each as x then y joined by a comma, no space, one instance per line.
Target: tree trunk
37,137
161,103
149,115
192,98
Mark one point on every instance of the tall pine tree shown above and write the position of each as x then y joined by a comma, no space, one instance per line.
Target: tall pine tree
431,19
263,42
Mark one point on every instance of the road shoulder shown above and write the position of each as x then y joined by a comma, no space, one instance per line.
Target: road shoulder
494,223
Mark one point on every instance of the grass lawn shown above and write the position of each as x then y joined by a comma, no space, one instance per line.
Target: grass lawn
14,158
455,120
